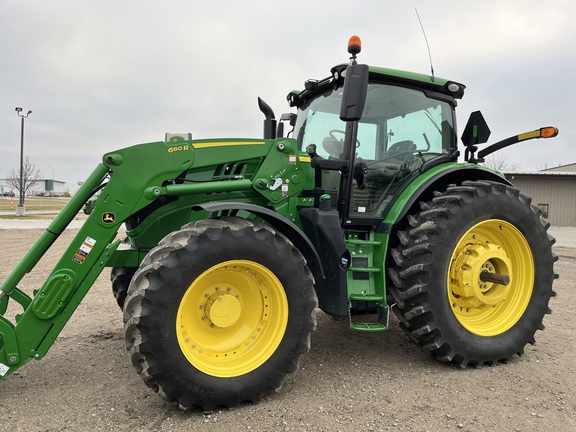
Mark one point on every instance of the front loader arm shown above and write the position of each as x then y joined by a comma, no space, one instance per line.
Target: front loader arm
137,175
21,342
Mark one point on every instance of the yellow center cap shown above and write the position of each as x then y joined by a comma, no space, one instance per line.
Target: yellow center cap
224,311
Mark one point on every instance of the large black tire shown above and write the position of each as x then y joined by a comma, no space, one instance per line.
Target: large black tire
443,303
219,312
120,278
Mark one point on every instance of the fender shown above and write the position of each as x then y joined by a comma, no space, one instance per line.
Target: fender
437,178
279,223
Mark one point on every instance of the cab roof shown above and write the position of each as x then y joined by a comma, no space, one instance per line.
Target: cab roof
452,90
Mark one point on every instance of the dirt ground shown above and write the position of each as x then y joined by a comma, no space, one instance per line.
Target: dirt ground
348,382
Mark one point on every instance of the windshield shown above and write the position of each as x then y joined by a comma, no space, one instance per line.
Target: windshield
392,115
401,128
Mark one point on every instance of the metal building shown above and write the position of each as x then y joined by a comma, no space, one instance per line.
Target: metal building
42,187
553,190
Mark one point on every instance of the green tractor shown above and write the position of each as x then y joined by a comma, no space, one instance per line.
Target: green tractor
232,244
89,206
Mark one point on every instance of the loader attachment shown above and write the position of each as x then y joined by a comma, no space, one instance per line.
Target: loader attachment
43,316
129,194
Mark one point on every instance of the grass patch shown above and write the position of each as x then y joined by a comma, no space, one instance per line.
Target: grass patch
30,217
40,216
35,203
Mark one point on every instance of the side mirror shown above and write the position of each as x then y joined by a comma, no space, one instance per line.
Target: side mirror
354,93
476,130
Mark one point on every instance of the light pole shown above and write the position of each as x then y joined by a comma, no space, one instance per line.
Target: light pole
21,210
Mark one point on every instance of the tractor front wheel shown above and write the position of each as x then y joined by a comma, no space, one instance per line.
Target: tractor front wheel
473,274
219,312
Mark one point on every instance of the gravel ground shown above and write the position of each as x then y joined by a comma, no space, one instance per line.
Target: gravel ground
348,382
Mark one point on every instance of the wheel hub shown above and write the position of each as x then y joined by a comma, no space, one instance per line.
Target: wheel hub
223,310
491,277
474,273
232,318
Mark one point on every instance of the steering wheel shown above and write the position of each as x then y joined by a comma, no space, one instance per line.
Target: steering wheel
333,131
402,148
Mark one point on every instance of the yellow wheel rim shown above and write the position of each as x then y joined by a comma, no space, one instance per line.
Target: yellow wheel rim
232,318
483,307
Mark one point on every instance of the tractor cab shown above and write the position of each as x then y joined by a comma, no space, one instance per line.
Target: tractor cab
406,125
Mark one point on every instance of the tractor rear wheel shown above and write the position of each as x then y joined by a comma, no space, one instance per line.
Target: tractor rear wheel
219,312
473,274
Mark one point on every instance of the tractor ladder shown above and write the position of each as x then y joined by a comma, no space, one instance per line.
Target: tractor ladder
366,287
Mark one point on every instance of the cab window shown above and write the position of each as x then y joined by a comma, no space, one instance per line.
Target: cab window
400,129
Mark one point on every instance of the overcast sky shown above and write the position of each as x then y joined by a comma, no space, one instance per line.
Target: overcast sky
101,75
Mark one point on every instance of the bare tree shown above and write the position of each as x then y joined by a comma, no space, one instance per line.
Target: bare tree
31,176
500,162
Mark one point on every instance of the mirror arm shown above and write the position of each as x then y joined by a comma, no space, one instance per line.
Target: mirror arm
497,146
330,164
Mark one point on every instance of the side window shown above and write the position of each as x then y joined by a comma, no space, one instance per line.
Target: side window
544,208
421,127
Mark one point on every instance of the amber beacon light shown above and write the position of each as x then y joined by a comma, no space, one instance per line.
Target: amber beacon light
354,45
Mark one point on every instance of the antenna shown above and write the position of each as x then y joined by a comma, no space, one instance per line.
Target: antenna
427,45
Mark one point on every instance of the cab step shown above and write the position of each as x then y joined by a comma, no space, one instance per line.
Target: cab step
368,327
381,324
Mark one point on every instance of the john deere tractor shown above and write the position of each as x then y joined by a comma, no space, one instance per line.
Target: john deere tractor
232,244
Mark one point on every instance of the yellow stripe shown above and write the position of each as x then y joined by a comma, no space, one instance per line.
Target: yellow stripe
529,135
226,144
304,158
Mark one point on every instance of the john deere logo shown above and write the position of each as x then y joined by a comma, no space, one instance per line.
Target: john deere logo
108,218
